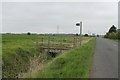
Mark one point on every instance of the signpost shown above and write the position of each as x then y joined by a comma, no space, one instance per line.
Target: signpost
80,25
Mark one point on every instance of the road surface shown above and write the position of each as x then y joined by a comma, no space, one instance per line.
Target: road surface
105,63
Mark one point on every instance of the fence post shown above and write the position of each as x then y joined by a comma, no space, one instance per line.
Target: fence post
80,41
48,44
61,45
42,40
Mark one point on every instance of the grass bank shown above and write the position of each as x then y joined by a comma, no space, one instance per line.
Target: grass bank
19,49
75,63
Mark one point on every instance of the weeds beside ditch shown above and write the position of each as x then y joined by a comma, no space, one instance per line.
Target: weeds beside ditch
75,63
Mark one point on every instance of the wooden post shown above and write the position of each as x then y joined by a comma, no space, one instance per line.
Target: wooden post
61,45
48,44
74,42
42,40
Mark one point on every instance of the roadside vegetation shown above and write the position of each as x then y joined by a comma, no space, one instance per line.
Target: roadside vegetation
18,50
75,63
0,56
113,34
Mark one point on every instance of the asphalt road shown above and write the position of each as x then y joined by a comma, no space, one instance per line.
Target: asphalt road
105,64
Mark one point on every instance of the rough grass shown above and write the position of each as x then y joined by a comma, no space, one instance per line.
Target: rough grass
17,49
75,63
0,56
16,52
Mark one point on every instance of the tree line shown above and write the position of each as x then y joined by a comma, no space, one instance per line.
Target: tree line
113,33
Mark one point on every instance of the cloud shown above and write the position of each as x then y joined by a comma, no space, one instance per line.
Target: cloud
43,17
60,0
0,17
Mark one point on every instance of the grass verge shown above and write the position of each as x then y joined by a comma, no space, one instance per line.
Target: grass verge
75,63
116,40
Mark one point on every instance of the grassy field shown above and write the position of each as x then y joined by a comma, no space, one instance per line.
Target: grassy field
75,63
18,49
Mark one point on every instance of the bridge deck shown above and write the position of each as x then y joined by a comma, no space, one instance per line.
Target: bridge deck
54,48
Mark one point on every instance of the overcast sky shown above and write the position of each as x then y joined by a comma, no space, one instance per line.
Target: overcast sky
43,17
59,0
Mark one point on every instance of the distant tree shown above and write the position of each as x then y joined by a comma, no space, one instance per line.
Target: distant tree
106,35
112,35
76,34
97,35
86,35
112,29
28,33
53,34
